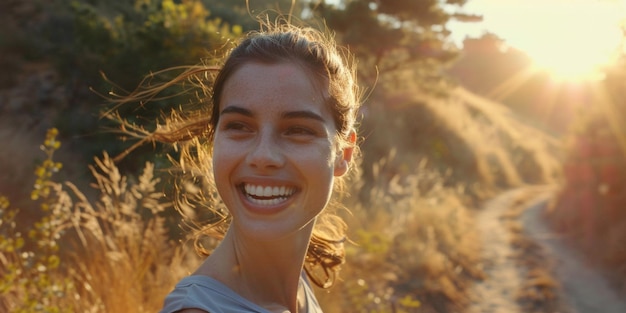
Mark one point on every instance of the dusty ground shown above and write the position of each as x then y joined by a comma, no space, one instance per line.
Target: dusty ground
509,263
583,288
497,293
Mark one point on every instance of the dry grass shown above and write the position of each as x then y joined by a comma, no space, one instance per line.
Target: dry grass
470,140
415,247
124,243
21,153
109,255
415,242
523,154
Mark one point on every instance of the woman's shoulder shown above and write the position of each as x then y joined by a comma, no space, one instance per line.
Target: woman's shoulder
200,294
206,294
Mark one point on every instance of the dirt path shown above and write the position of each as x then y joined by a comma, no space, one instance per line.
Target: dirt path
497,292
583,289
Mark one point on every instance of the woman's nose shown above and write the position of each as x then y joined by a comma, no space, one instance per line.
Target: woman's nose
266,152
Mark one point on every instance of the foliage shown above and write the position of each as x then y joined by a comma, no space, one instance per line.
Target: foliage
491,68
415,247
589,208
128,42
123,241
395,41
30,264
237,12
486,62
124,41
469,140
84,257
132,43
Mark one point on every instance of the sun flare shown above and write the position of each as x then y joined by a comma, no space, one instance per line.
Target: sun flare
571,39
571,64
575,50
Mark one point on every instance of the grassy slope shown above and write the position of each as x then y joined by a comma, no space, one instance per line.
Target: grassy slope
474,142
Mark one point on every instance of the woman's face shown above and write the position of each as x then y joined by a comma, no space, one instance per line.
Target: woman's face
275,153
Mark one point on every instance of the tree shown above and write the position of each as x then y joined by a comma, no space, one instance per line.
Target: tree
125,40
244,12
392,38
487,61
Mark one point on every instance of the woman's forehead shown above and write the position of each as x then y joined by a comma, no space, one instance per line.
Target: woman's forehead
276,85
281,77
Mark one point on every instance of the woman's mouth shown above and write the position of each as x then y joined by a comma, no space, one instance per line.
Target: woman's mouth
267,195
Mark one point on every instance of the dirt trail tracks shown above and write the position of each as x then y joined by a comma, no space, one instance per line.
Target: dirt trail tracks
578,288
582,288
497,292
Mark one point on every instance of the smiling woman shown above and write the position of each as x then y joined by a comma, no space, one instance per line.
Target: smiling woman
272,139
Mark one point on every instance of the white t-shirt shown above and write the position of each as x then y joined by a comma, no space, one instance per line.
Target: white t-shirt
205,293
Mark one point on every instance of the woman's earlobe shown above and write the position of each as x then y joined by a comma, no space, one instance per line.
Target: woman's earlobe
341,167
342,163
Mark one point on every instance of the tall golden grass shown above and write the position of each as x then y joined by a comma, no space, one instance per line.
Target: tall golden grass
108,255
413,247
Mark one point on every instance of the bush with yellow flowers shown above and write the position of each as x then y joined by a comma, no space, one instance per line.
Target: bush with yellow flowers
29,260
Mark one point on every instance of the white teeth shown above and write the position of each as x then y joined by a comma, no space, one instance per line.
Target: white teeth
267,196
266,202
275,192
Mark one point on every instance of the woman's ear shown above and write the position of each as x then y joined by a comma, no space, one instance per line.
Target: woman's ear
344,157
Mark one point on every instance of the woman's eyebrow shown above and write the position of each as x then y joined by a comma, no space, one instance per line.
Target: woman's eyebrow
232,109
303,114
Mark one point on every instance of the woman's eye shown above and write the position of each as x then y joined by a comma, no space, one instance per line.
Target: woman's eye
300,131
237,126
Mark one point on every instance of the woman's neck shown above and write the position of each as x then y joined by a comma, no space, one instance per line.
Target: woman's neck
266,273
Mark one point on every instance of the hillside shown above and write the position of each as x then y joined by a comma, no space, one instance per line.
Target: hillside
476,143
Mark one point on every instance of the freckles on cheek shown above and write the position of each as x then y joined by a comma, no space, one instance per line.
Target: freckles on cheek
325,154
221,161
220,157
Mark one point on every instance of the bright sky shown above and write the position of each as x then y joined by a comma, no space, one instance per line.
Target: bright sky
568,37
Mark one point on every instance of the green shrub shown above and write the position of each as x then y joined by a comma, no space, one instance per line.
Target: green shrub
30,261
